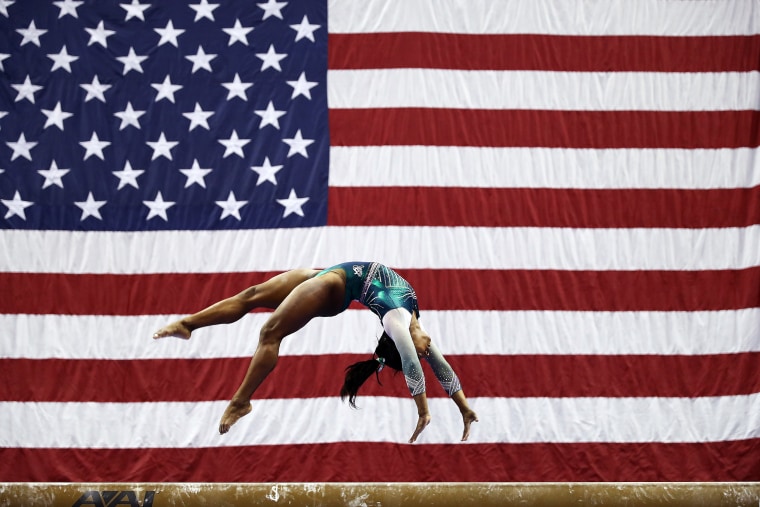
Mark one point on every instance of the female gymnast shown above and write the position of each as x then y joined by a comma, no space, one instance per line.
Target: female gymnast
299,295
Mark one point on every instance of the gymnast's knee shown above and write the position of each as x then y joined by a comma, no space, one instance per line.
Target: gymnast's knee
270,334
248,297
258,296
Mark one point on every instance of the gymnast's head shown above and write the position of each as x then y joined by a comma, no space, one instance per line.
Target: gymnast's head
386,354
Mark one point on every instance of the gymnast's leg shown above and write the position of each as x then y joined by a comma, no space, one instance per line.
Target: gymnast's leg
268,294
317,297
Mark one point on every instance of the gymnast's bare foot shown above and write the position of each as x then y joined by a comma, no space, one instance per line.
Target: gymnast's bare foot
175,329
234,411
468,417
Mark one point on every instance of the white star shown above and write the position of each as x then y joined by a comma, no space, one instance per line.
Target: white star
16,206
21,148
231,207
270,116
135,10
99,35
53,175
56,116
302,86
198,118
304,30
298,145
3,56
195,174
31,34
128,176
68,7
271,58
132,61
204,10
238,33
94,147
4,4
201,60
129,117
162,147
95,90
266,172
2,115
62,60
169,34
166,89
158,207
237,88
293,204
90,207
234,145
272,8
26,90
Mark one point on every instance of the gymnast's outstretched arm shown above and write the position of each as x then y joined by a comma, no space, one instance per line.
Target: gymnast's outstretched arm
396,324
444,373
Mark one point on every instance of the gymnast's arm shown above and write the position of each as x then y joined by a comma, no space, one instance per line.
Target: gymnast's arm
444,373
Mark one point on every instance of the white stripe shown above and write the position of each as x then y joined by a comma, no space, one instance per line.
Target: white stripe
580,91
398,247
555,17
356,332
322,420
442,166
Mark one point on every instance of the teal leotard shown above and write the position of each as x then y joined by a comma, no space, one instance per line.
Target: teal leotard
381,289
376,286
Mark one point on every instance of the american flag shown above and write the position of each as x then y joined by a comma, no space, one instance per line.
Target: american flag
571,187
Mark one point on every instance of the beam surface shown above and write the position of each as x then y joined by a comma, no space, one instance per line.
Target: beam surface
378,494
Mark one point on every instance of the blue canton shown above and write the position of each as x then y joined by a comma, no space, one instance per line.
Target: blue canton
183,115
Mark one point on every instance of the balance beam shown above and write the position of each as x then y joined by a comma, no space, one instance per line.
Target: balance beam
378,494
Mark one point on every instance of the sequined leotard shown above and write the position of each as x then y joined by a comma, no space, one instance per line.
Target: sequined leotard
381,289
376,286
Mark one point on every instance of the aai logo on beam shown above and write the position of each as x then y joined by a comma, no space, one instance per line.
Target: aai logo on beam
114,498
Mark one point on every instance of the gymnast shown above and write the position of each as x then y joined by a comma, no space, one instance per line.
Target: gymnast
299,295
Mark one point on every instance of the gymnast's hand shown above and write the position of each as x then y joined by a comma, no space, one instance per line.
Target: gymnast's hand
421,343
420,338
422,422
468,417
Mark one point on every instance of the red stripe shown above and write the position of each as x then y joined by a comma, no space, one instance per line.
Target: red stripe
543,52
385,462
550,376
586,290
161,294
545,207
544,128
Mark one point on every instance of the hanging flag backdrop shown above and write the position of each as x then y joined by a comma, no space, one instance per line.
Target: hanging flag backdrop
571,187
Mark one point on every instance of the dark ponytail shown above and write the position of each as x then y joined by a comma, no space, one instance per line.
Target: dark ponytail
386,353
